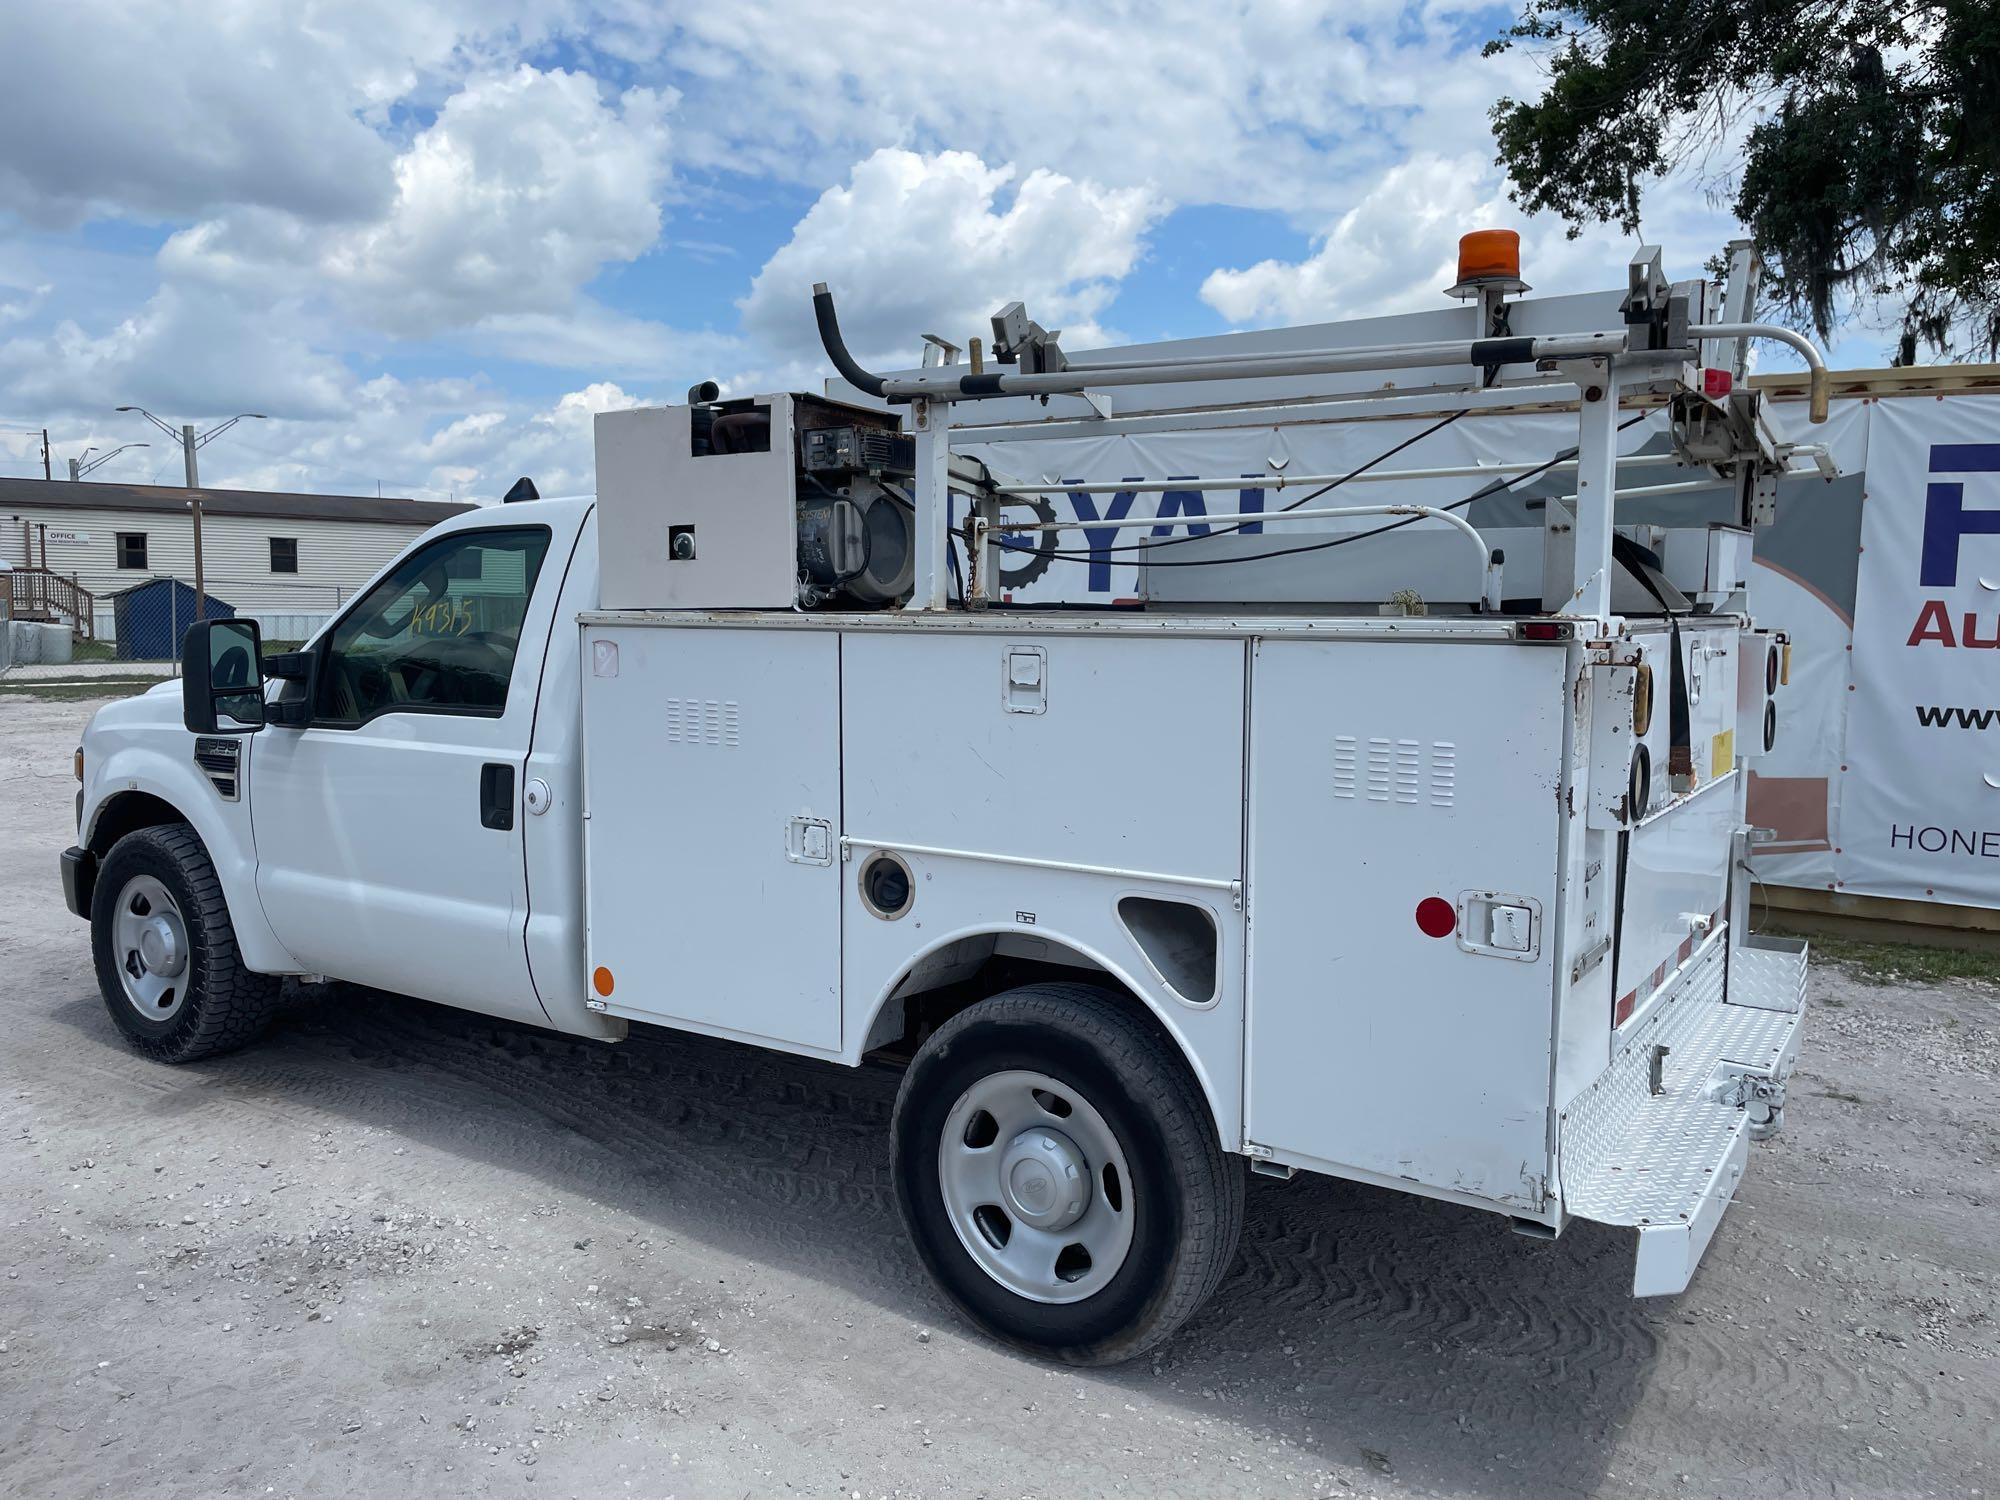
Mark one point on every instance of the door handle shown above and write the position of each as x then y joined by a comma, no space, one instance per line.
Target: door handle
496,796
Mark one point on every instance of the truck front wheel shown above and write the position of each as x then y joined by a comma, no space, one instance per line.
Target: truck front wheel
1058,1170
165,951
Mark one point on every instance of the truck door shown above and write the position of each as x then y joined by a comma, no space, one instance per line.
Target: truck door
388,828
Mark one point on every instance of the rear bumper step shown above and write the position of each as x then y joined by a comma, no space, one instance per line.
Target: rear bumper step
1660,1140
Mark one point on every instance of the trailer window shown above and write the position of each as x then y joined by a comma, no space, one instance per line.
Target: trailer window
437,635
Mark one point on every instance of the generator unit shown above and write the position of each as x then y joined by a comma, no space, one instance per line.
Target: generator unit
765,502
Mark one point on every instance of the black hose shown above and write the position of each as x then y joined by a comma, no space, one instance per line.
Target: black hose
836,346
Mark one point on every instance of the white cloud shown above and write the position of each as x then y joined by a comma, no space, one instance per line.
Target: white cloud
1395,250
17,303
1378,256
1271,105
189,349
432,440
152,109
596,339
509,203
914,244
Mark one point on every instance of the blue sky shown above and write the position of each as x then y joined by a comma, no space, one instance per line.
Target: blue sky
432,240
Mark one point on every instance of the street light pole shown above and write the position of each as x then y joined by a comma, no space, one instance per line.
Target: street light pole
83,463
194,511
190,440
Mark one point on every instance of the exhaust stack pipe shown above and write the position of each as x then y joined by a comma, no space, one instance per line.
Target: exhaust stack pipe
836,346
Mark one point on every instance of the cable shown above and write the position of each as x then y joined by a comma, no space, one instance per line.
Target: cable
1357,536
1334,484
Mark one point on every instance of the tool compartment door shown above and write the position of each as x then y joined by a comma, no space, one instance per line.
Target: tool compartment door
1674,866
712,787
1384,776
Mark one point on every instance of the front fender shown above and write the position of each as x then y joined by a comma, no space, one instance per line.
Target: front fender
119,763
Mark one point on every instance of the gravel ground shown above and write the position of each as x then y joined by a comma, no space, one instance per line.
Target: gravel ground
400,1250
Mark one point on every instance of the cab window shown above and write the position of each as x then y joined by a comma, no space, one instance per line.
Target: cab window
438,634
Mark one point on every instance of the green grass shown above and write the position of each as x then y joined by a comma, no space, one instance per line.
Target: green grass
77,692
1902,963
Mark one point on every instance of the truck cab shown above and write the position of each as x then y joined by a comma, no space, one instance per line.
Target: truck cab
413,822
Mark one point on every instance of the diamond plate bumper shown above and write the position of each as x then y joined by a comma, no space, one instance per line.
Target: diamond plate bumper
1669,1162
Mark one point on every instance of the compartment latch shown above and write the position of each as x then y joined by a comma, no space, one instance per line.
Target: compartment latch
809,841
1024,686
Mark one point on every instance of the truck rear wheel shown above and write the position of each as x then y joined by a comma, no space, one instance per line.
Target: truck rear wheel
165,951
1057,1167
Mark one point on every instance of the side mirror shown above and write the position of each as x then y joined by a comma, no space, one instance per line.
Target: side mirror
222,677
293,710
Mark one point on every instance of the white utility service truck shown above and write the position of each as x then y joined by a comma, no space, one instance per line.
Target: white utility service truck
1431,876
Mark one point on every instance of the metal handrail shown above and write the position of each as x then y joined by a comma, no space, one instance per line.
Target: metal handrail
1818,390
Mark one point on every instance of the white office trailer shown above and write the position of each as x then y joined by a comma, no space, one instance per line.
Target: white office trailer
1429,873
287,560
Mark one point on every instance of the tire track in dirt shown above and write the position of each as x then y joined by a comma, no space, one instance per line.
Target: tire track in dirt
788,1152
1414,1319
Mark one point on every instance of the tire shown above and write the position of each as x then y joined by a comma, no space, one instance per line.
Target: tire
199,1000
1119,1097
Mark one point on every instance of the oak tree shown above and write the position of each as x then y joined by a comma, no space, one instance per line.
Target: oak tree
1860,140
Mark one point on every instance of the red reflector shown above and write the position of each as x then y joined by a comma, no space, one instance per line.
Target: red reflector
1436,917
1715,384
1542,630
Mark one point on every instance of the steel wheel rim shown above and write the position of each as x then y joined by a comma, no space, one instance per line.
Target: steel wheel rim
1037,1187
150,945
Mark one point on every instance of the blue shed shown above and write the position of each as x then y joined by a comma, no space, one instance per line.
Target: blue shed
151,618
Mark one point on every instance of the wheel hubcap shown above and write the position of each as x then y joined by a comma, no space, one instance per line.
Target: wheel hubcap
1046,1180
160,947
1037,1186
150,938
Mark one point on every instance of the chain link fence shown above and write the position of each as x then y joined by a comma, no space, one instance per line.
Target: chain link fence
147,621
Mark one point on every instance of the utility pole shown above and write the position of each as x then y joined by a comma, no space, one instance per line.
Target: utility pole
45,455
190,440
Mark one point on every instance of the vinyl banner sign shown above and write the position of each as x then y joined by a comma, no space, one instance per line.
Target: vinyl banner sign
1098,560
1920,806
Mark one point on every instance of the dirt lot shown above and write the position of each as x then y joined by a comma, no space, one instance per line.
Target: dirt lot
399,1250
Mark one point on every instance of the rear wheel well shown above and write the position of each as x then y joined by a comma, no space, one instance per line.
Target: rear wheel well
907,1020
127,813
